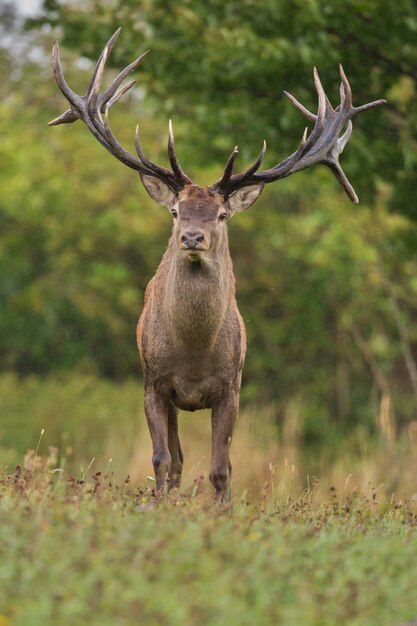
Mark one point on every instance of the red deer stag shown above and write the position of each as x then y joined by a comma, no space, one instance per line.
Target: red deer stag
191,336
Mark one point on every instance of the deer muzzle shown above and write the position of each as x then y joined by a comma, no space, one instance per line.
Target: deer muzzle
193,240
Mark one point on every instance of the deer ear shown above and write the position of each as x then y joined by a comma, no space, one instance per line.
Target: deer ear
158,190
243,198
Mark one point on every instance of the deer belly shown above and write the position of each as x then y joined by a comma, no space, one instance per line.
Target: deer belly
190,395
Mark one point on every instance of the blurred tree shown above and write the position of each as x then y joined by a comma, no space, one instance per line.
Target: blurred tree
73,264
330,304
224,66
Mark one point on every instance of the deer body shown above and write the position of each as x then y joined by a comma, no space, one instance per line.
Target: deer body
190,330
191,336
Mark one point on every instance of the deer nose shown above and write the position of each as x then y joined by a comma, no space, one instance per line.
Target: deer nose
192,238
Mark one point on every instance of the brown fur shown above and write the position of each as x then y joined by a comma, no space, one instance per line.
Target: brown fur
192,338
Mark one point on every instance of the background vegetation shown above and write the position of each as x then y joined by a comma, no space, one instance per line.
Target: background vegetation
322,527
134,559
328,290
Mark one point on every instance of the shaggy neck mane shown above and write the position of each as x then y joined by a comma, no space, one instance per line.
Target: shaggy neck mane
196,294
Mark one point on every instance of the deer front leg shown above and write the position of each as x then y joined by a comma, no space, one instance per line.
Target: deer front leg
174,446
223,420
156,411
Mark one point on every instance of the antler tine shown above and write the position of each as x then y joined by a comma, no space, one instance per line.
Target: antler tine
110,91
116,97
322,146
342,141
176,168
228,170
321,112
343,180
345,86
94,88
370,105
70,95
325,112
72,114
255,166
171,178
223,185
310,116
100,65
90,107
345,91
65,118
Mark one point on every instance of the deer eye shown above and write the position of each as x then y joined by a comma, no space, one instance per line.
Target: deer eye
222,216
174,213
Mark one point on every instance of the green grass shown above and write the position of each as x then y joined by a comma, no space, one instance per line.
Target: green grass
100,550
82,415
91,420
92,552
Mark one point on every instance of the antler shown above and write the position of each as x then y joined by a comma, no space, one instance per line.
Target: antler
322,146
92,105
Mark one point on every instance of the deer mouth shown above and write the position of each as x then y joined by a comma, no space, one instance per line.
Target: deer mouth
194,254
193,250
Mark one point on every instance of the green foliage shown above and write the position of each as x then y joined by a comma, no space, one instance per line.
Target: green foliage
73,273
328,290
84,417
224,67
321,303
100,553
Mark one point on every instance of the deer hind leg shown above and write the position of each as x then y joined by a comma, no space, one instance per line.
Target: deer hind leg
223,418
174,478
156,410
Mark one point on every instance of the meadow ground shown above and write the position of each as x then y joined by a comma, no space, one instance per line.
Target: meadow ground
81,543
75,552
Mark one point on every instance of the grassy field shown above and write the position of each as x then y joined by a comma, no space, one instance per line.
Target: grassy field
98,424
317,537
95,552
